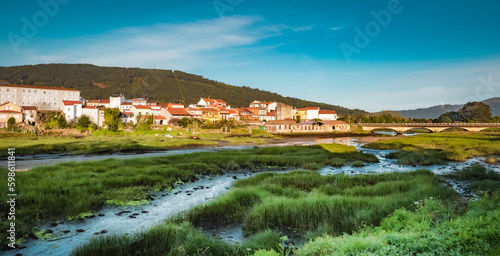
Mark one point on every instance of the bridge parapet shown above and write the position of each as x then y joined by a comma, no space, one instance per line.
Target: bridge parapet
433,127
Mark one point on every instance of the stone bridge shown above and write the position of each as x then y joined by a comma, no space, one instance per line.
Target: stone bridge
400,128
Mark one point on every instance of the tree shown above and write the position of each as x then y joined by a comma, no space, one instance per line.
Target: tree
298,119
112,119
84,121
61,122
477,112
448,117
10,123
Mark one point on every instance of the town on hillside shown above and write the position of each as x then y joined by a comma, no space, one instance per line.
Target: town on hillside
24,102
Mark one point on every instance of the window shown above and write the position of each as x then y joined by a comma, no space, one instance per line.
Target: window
24,90
44,98
55,93
1,95
50,98
14,90
35,91
64,93
29,90
44,92
8,96
8,89
64,98
29,97
35,97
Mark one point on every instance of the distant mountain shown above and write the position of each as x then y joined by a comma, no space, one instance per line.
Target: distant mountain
436,111
163,85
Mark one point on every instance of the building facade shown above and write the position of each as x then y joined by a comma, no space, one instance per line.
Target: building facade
29,95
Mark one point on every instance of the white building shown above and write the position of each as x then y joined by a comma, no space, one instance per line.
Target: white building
96,115
29,95
71,109
328,115
116,101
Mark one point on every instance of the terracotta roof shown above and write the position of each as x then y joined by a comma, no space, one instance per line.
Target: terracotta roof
175,104
128,113
178,112
270,114
4,103
38,87
209,110
71,102
28,107
310,108
193,109
127,103
160,118
141,107
327,112
10,111
98,101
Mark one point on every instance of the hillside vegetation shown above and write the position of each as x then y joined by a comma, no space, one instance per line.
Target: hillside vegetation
163,85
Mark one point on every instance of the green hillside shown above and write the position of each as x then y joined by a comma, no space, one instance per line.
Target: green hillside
163,85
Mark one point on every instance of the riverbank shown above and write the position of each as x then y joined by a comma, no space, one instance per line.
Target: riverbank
439,148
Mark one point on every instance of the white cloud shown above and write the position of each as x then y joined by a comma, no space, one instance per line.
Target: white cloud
180,46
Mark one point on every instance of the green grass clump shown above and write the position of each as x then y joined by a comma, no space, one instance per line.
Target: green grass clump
436,148
306,201
475,172
430,230
358,164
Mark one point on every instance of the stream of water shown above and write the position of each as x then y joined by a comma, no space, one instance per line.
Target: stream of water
68,235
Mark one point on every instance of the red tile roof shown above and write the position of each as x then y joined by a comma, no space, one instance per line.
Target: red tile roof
71,102
128,113
209,110
39,87
28,107
141,107
309,108
127,103
178,112
10,111
327,112
160,118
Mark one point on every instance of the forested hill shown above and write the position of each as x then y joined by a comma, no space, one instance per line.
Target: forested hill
163,85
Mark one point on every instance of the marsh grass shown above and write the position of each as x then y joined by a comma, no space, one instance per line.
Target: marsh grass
69,189
437,148
430,230
306,201
300,201
95,144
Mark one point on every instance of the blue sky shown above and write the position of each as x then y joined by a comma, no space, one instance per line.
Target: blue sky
373,55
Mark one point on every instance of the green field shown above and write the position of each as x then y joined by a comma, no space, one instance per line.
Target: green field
70,189
438,148
105,142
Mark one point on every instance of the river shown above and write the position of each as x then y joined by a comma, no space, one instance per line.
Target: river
113,220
